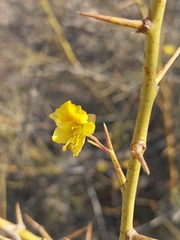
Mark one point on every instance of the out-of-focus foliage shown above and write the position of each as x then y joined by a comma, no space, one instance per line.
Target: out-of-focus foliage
62,192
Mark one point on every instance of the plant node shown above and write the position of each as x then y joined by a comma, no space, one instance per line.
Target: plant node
133,235
138,147
146,26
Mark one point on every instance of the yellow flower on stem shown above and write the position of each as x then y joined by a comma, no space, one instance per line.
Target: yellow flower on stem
73,126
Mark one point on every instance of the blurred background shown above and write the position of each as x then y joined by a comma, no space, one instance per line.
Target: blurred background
49,54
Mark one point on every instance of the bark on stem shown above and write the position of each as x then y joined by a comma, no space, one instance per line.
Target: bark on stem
147,95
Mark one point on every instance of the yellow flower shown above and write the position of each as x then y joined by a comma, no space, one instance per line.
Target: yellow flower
73,125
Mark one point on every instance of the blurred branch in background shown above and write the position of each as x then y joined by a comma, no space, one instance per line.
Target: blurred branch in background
96,207
59,31
70,53
3,200
167,105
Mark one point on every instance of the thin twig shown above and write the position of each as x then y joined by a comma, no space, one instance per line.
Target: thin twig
75,234
163,71
89,231
59,31
3,200
96,207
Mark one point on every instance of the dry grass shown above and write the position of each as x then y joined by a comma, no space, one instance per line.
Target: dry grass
102,73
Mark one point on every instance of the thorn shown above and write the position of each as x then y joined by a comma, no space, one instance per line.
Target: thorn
137,24
89,231
19,218
37,227
138,148
108,139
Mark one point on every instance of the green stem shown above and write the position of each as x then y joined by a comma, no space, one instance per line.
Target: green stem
147,96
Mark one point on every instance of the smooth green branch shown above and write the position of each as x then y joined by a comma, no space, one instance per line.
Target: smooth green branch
147,96
149,87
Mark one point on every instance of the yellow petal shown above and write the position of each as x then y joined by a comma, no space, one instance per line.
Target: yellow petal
80,115
70,112
66,126
88,128
61,136
77,145
54,116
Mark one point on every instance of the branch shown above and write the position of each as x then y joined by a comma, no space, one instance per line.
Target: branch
163,71
114,159
89,231
111,153
60,34
15,233
96,207
74,234
147,96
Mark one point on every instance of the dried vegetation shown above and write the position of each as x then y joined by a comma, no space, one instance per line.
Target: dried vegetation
49,54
